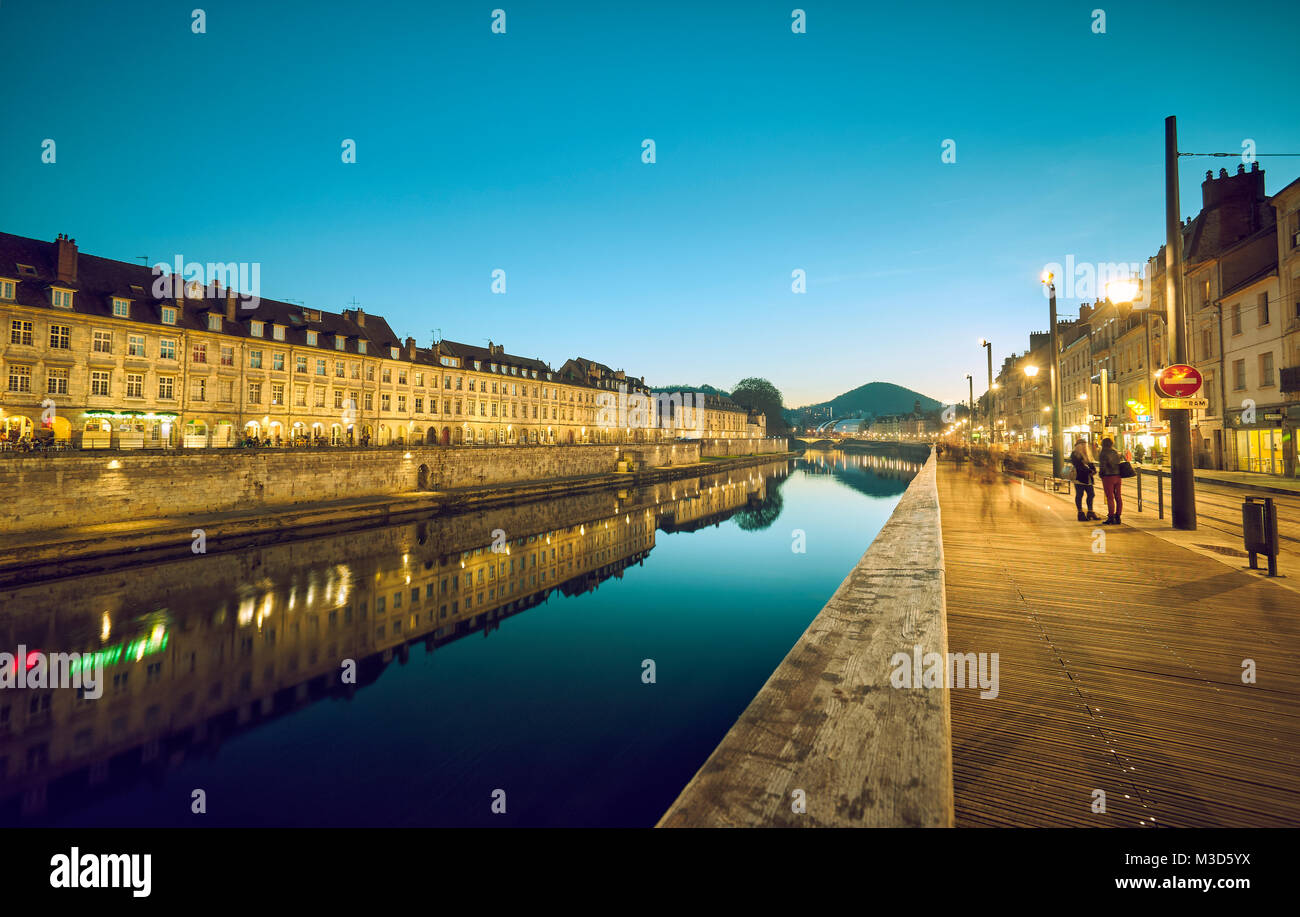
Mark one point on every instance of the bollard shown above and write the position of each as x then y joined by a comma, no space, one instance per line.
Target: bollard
1160,494
1139,486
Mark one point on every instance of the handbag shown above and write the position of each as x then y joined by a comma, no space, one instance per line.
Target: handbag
1126,470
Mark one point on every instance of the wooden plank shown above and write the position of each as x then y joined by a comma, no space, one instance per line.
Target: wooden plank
1119,670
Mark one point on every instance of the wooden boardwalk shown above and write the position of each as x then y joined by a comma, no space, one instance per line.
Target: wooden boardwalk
1119,670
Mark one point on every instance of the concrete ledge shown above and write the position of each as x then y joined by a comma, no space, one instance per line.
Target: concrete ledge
828,721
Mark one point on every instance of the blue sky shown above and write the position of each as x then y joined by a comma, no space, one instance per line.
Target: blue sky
522,152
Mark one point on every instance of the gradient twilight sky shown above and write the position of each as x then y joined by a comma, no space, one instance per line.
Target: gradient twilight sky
522,151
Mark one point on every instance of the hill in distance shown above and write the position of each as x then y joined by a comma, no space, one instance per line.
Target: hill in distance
874,400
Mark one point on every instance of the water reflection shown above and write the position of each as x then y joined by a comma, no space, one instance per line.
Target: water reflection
199,650
872,474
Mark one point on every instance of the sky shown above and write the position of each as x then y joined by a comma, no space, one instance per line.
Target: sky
522,152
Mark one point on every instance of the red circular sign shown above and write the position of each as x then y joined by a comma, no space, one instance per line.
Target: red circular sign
1179,381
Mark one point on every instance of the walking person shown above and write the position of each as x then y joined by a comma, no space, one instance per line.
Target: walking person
1085,472
1111,480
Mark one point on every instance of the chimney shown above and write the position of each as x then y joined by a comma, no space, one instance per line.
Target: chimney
360,318
67,259
230,305
410,348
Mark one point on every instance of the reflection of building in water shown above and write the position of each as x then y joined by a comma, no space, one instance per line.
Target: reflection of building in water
838,463
197,649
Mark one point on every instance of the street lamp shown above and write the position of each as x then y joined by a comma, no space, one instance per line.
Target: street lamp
1053,377
984,342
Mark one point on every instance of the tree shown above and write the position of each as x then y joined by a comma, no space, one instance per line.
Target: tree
758,394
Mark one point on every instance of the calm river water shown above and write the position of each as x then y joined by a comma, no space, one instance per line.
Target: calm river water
524,670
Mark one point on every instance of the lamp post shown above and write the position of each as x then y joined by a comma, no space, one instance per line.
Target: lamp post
989,407
970,416
1182,488
1054,381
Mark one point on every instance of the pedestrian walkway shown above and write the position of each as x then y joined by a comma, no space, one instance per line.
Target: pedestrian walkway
1120,661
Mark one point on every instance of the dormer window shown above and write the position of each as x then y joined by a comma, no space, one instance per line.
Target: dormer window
7,288
27,269
340,342
393,352
62,298
121,307
277,332
255,329
214,321
478,365
361,346
168,315
311,338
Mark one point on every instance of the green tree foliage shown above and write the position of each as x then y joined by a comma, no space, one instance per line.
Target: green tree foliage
759,394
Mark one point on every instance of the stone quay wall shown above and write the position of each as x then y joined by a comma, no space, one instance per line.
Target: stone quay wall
720,448
43,492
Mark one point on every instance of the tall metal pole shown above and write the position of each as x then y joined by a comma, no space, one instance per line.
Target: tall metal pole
1055,383
989,412
970,417
1182,488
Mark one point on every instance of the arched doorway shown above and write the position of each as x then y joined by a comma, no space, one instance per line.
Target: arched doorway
458,436
195,435
446,436
570,437
223,433
276,433
252,430
317,433
422,478
384,435
336,434
431,436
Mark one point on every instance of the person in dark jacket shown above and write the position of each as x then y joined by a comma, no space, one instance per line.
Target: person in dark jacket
1110,481
1085,472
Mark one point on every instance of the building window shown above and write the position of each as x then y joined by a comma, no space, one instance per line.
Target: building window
1263,309
401,403
254,393
277,361
384,402
227,390
300,395
100,383
311,338
401,377
340,342
339,369
227,356
370,401
167,349
1238,375
168,315
370,373
300,364
320,396
320,367
393,352
255,359
1266,368
20,378
338,398
419,380
419,405
277,332
361,346
63,299
60,336
7,289
102,342
1236,318
166,387
387,374
199,389
199,352
214,322
56,381
255,329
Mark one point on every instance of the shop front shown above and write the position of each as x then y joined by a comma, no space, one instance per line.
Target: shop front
130,429
1264,443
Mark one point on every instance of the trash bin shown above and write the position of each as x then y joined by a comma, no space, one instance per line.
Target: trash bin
1259,530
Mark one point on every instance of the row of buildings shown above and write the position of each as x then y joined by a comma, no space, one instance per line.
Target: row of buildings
95,354
1241,295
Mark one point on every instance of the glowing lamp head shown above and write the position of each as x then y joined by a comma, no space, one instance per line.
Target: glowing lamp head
1046,277
1123,290
1031,371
